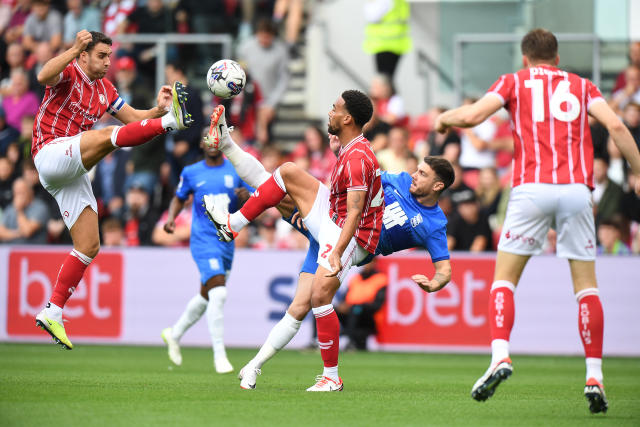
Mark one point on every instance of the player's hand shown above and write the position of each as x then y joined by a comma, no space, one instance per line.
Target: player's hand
165,98
83,38
169,227
334,143
440,126
297,220
425,283
336,264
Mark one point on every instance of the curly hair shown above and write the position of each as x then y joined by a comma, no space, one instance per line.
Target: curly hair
358,105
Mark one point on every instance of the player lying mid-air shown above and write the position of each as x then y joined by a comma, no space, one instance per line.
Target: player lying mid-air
412,218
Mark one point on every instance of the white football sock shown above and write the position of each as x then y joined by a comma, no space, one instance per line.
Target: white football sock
281,334
332,373
249,169
53,312
169,121
192,313
499,351
594,368
215,319
237,221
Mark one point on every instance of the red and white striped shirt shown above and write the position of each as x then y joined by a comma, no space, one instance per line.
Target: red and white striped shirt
552,139
72,106
357,170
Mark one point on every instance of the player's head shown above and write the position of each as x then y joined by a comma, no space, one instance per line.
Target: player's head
95,59
539,46
433,176
352,109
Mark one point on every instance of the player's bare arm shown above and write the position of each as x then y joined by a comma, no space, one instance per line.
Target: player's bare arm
621,136
441,277
355,205
468,115
50,73
128,114
175,207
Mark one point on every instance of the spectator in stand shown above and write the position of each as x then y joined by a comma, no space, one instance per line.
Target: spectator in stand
112,232
6,10
316,148
388,106
291,12
139,217
270,158
445,144
607,195
387,34
7,176
365,296
15,28
15,58
25,219
8,134
20,101
629,93
79,17
634,59
468,228
267,234
44,24
109,182
185,144
25,138
394,158
456,192
476,150
488,191
631,118
242,109
131,87
182,231
267,59
610,238
153,18
114,15
631,201
42,54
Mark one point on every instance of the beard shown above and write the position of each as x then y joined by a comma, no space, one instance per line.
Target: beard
333,130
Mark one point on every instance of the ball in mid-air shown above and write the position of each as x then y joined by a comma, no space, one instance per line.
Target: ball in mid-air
226,78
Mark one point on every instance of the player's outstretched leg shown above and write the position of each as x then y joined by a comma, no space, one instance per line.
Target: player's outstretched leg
179,106
487,384
249,169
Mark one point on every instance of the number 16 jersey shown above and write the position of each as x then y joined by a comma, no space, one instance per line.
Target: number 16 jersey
548,109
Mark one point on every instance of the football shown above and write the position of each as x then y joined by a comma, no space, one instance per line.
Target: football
226,78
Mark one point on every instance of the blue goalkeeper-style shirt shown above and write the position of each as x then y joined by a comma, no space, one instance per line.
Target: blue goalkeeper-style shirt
220,182
406,224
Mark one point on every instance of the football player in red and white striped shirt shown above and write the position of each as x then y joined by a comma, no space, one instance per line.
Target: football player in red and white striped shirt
345,219
64,148
552,181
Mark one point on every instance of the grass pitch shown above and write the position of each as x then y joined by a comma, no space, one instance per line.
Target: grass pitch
105,385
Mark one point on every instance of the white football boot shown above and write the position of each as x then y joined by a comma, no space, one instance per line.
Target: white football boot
173,347
219,218
248,377
222,365
326,384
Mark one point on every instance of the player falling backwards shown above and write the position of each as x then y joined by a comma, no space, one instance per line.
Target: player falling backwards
412,218
213,176
345,219
64,148
552,182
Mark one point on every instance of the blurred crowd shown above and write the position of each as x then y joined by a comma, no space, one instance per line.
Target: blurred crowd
134,186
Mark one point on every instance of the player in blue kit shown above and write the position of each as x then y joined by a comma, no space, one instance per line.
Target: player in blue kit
412,218
212,177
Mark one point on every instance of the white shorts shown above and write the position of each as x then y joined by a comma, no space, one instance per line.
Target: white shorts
327,233
63,175
532,210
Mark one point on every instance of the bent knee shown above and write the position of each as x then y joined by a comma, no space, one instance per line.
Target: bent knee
288,168
90,249
298,310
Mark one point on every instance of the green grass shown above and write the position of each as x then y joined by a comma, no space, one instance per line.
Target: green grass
106,385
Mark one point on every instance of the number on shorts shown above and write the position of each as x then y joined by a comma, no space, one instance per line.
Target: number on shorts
326,251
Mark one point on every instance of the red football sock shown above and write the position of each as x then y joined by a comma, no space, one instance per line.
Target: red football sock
328,327
591,323
267,195
137,133
501,310
69,276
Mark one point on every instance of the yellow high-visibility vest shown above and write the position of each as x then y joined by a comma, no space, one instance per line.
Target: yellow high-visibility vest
391,34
